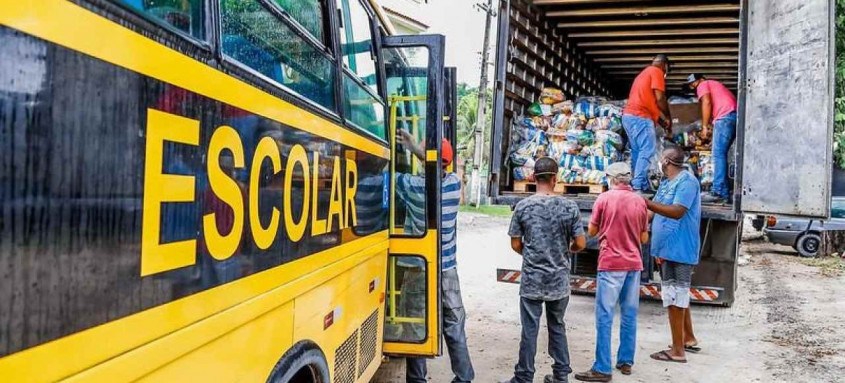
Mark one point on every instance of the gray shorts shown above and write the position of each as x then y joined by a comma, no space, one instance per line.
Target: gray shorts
676,280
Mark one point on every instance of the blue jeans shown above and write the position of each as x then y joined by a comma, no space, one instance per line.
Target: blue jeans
454,332
724,133
530,313
642,139
613,287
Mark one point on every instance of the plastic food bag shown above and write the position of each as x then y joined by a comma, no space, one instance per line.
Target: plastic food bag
705,168
585,108
535,110
563,107
609,110
607,136
551,96
595,177
596,163
523,173
582,137
571,162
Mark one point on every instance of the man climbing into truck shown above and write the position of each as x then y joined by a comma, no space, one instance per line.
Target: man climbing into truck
647,107
718,119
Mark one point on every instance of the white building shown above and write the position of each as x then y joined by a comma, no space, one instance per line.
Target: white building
406,15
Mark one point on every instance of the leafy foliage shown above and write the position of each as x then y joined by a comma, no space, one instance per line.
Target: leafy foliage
839,101
467,118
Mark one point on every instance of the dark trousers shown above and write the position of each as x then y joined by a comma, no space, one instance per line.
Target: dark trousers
530,313
454,333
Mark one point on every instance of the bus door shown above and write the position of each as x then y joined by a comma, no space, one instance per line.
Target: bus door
413,67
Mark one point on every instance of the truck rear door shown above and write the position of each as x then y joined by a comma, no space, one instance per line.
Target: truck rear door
787,154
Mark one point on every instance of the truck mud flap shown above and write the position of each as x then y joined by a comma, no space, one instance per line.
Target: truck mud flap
585,285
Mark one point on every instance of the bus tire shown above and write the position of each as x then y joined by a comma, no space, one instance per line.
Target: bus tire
303,363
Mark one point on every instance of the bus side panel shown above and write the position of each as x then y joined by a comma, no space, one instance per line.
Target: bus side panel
345,317
246,354
329,316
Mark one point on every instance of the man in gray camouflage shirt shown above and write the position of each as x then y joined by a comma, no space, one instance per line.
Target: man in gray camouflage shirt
545,230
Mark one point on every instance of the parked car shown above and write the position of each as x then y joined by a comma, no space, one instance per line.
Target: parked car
804,235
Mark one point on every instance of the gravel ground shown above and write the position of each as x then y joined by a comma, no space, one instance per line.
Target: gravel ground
786,325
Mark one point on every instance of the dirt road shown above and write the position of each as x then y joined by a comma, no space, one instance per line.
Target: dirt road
787,324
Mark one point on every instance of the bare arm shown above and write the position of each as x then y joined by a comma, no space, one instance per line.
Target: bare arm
407,140
644,237
516,244
663,104
669,211
706,114
578,244
592,230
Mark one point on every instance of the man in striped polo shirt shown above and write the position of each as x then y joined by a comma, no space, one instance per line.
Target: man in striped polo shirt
411,190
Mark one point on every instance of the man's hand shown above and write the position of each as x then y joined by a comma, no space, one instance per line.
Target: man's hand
706,132
658,260
407,140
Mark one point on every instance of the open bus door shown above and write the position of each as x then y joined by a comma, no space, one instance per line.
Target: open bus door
416,103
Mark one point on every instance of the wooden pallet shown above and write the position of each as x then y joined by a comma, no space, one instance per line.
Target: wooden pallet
531,187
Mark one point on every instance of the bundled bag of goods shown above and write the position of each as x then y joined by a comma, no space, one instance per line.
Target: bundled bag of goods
583,136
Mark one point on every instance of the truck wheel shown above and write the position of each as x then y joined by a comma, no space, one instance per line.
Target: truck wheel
808,245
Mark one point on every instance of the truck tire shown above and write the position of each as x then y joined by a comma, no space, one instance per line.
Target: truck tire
304,363
808,245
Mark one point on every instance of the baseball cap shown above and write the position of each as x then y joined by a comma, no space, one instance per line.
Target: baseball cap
617,169
694,77
446,152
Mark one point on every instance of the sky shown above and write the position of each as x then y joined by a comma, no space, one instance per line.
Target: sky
463,26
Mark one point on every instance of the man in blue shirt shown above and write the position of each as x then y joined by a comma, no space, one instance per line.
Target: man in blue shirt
675,244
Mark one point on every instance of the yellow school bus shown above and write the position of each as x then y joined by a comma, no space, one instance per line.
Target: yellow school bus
204,190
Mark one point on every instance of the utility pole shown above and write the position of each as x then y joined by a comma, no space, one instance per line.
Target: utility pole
480,122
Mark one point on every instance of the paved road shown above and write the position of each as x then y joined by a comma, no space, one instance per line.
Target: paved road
787,324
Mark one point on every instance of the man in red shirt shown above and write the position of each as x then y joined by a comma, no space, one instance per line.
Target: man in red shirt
620,219
647,106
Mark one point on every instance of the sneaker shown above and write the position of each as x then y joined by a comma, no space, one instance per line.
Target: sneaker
625,369
711,198
551,379
593,376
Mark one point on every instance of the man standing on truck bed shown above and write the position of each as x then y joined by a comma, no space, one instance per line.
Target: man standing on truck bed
675,244
718,118
647,106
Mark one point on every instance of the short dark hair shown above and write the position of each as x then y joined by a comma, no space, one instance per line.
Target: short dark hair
544,169
675,155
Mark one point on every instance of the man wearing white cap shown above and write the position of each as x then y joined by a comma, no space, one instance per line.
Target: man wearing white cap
620,220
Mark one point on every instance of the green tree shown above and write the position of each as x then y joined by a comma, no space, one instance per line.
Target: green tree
839,100
467,119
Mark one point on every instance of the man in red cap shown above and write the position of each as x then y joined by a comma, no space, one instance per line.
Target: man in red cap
410,189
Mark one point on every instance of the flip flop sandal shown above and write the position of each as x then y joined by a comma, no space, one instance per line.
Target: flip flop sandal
663,356
689,349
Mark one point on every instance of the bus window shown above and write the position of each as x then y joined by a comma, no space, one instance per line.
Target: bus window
356,42
308,13
252,35
362,108
184,15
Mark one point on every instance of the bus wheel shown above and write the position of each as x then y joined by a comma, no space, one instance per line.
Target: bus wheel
304,363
